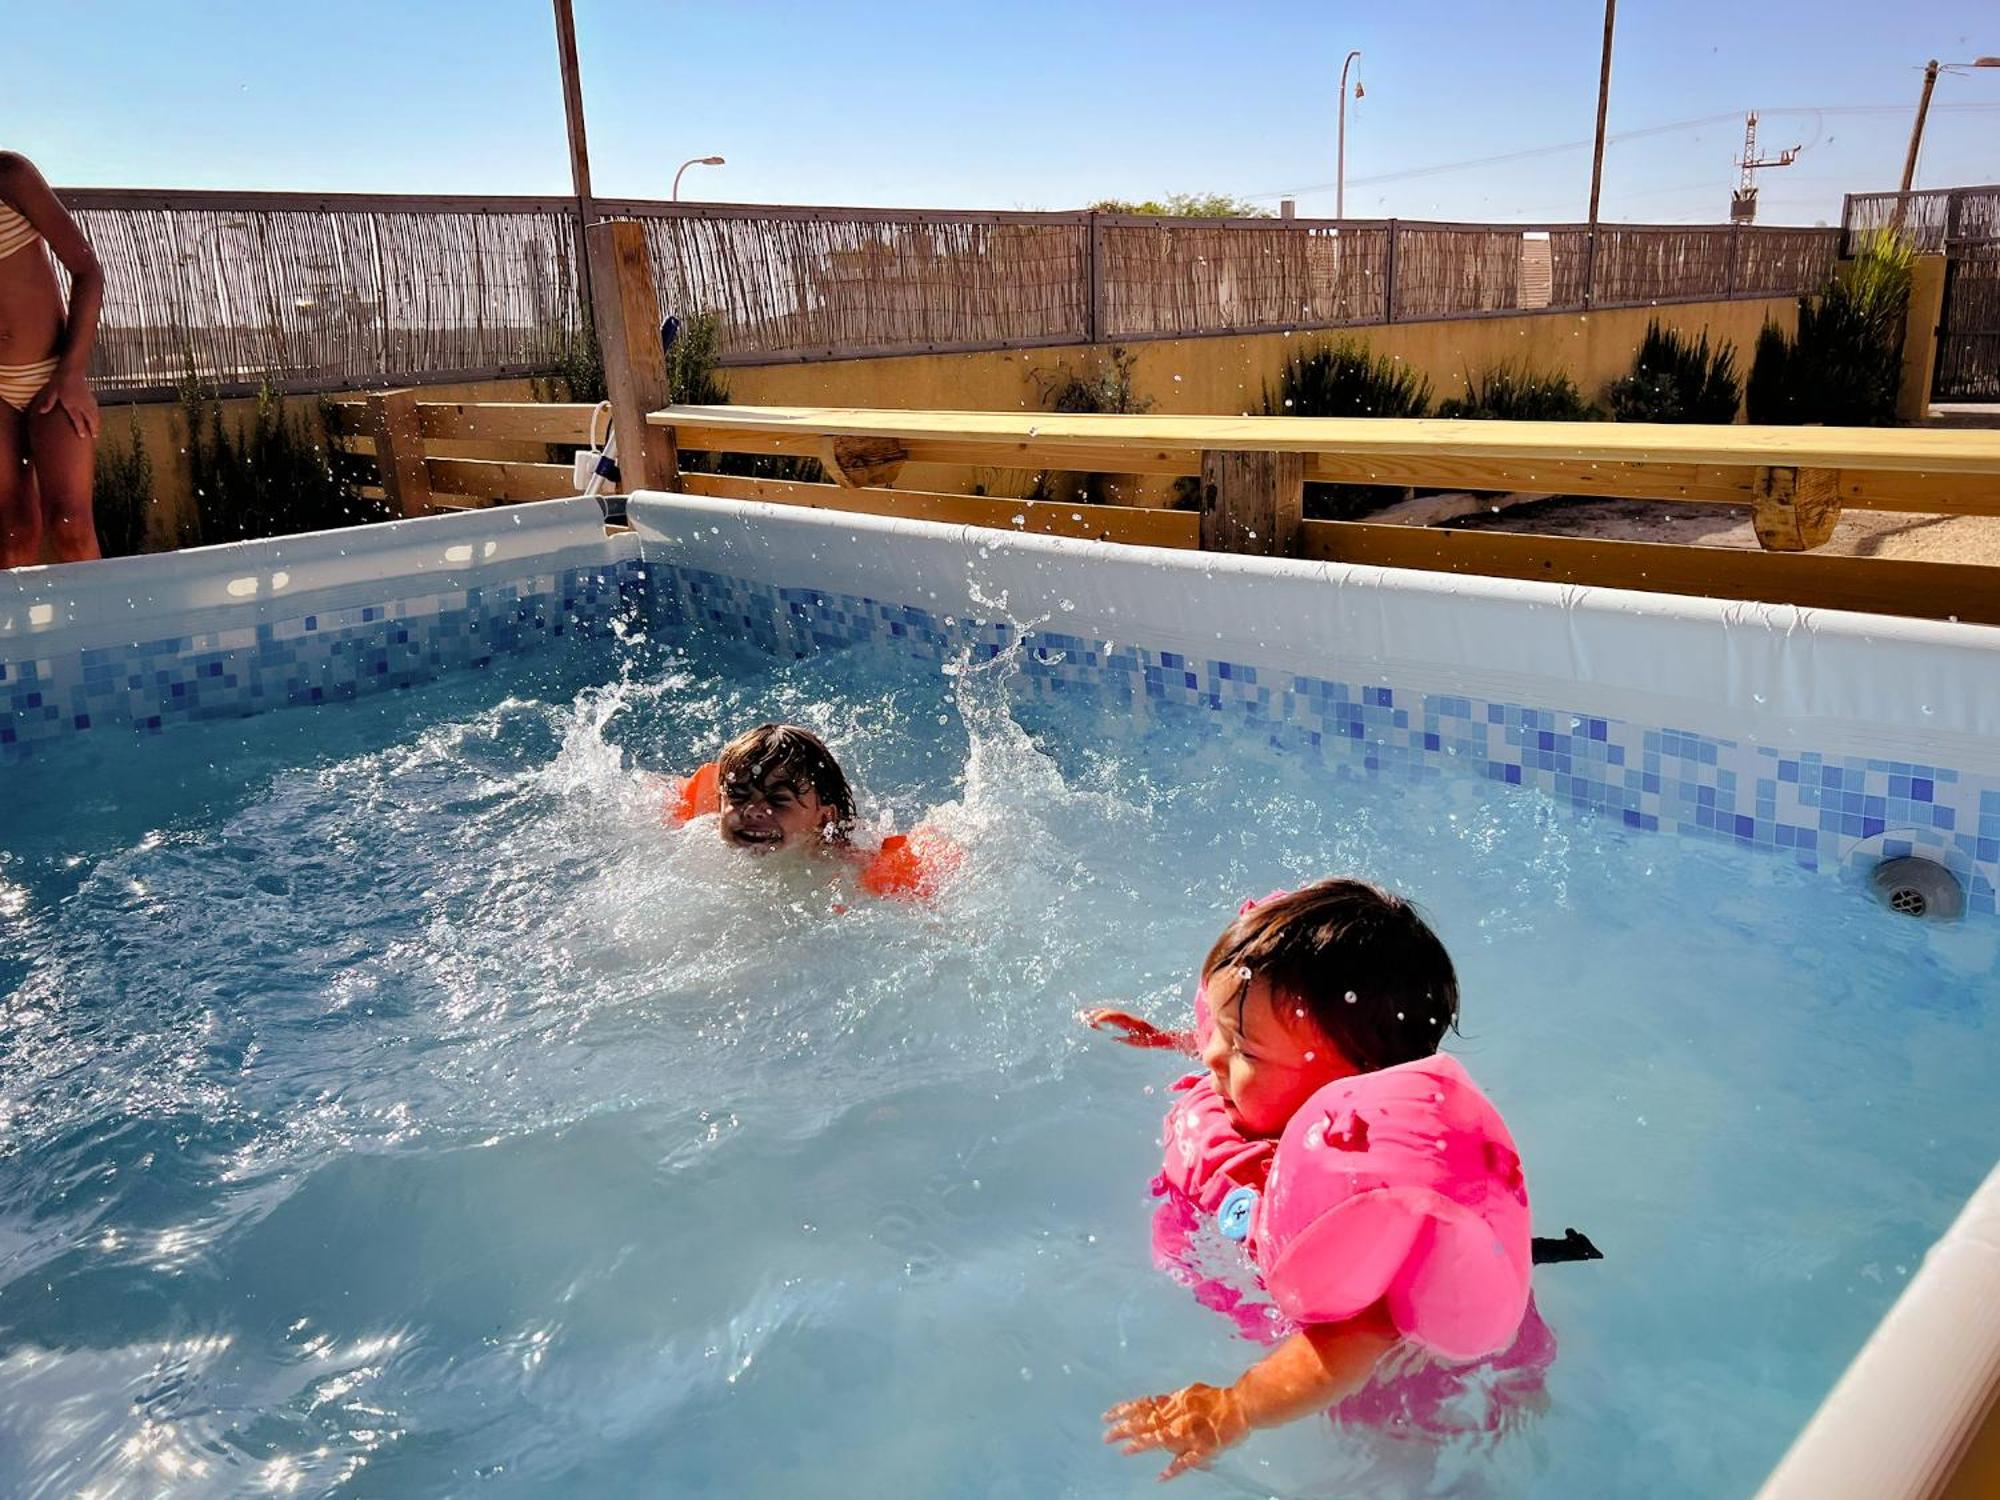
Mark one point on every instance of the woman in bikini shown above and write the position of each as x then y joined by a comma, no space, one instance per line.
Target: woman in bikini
48,418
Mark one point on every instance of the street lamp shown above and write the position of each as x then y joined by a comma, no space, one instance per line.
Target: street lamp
1923,108
693,161
1340,169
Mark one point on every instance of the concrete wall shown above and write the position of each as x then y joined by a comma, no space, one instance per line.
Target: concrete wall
1227,374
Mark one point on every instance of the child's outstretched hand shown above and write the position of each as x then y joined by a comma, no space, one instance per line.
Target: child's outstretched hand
1136,1031
1194,1423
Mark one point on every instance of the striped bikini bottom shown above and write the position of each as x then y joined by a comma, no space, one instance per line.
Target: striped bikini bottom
19,384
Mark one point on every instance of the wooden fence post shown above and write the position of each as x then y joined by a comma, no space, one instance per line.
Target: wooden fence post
1252,502
1096,272
399,451
1389,277
1795,509
635,366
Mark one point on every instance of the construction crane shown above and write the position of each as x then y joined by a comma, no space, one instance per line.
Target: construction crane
1743,202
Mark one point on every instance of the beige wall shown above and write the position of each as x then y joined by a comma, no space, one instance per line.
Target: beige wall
164,432
1231,374
1920,338
1226,374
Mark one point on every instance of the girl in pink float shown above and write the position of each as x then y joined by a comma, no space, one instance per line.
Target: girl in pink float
1376,1189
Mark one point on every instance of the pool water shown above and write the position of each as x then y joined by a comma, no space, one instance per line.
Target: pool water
391,1106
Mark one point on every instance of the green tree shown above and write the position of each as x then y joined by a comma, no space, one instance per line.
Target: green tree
1184,206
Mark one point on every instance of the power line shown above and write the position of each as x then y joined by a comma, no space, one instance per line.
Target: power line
1438,169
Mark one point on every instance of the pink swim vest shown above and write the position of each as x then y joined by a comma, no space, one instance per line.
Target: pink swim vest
1399,1186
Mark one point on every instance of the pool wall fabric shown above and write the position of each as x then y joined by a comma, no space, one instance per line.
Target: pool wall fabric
138,643
1832,740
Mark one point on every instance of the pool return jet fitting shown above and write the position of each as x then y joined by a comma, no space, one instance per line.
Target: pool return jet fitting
1918,887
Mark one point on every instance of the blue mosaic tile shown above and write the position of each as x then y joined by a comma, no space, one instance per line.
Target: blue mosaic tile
1822,812
311,658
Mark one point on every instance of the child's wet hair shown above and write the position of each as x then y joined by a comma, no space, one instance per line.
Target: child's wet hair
1366,967
786,752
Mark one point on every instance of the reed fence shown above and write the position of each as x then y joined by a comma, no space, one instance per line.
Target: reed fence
346,291
1932,220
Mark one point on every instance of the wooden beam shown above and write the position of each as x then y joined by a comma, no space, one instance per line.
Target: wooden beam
1934,451
1796,509
635,364
862,462
1252,502
500,481
1920,590
1026,453
507,421
399,451
1133,525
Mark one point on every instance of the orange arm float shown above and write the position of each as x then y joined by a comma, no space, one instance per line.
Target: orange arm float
911,867
695,796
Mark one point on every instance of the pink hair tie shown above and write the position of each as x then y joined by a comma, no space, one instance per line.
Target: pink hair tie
1251,903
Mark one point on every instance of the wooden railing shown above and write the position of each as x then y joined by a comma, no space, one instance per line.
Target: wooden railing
1794,481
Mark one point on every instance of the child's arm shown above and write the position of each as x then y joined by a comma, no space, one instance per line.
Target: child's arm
1315,1367
1137,1031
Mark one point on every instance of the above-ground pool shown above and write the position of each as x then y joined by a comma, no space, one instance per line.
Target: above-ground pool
392,1105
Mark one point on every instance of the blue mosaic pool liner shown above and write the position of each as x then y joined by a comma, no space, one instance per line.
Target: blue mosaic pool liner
1824,812
308,658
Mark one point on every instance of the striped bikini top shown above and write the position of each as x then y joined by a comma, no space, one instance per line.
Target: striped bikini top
16,233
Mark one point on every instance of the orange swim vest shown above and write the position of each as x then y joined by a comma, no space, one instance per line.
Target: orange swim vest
909,866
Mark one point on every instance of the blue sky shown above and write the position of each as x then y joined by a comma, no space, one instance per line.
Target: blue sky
1014,104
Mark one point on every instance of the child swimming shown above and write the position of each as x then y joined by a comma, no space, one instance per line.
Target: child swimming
1377,1190
778,787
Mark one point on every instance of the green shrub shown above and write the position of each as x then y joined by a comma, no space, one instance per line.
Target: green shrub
271,476
1677,379
575,370
1844,366
1344,380
692,362
1516,394
121,495
1185,206
1111,389
1768,396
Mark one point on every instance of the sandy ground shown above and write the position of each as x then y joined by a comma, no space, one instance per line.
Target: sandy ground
1861,533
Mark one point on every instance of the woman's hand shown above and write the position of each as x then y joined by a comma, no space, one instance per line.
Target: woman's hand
1134,1031
1194,1423
68,390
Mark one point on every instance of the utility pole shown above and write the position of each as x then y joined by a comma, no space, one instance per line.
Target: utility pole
1603,104
1597,154
1917,131
579,152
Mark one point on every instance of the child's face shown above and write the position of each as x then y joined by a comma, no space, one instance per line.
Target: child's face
1265,1052
776,813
